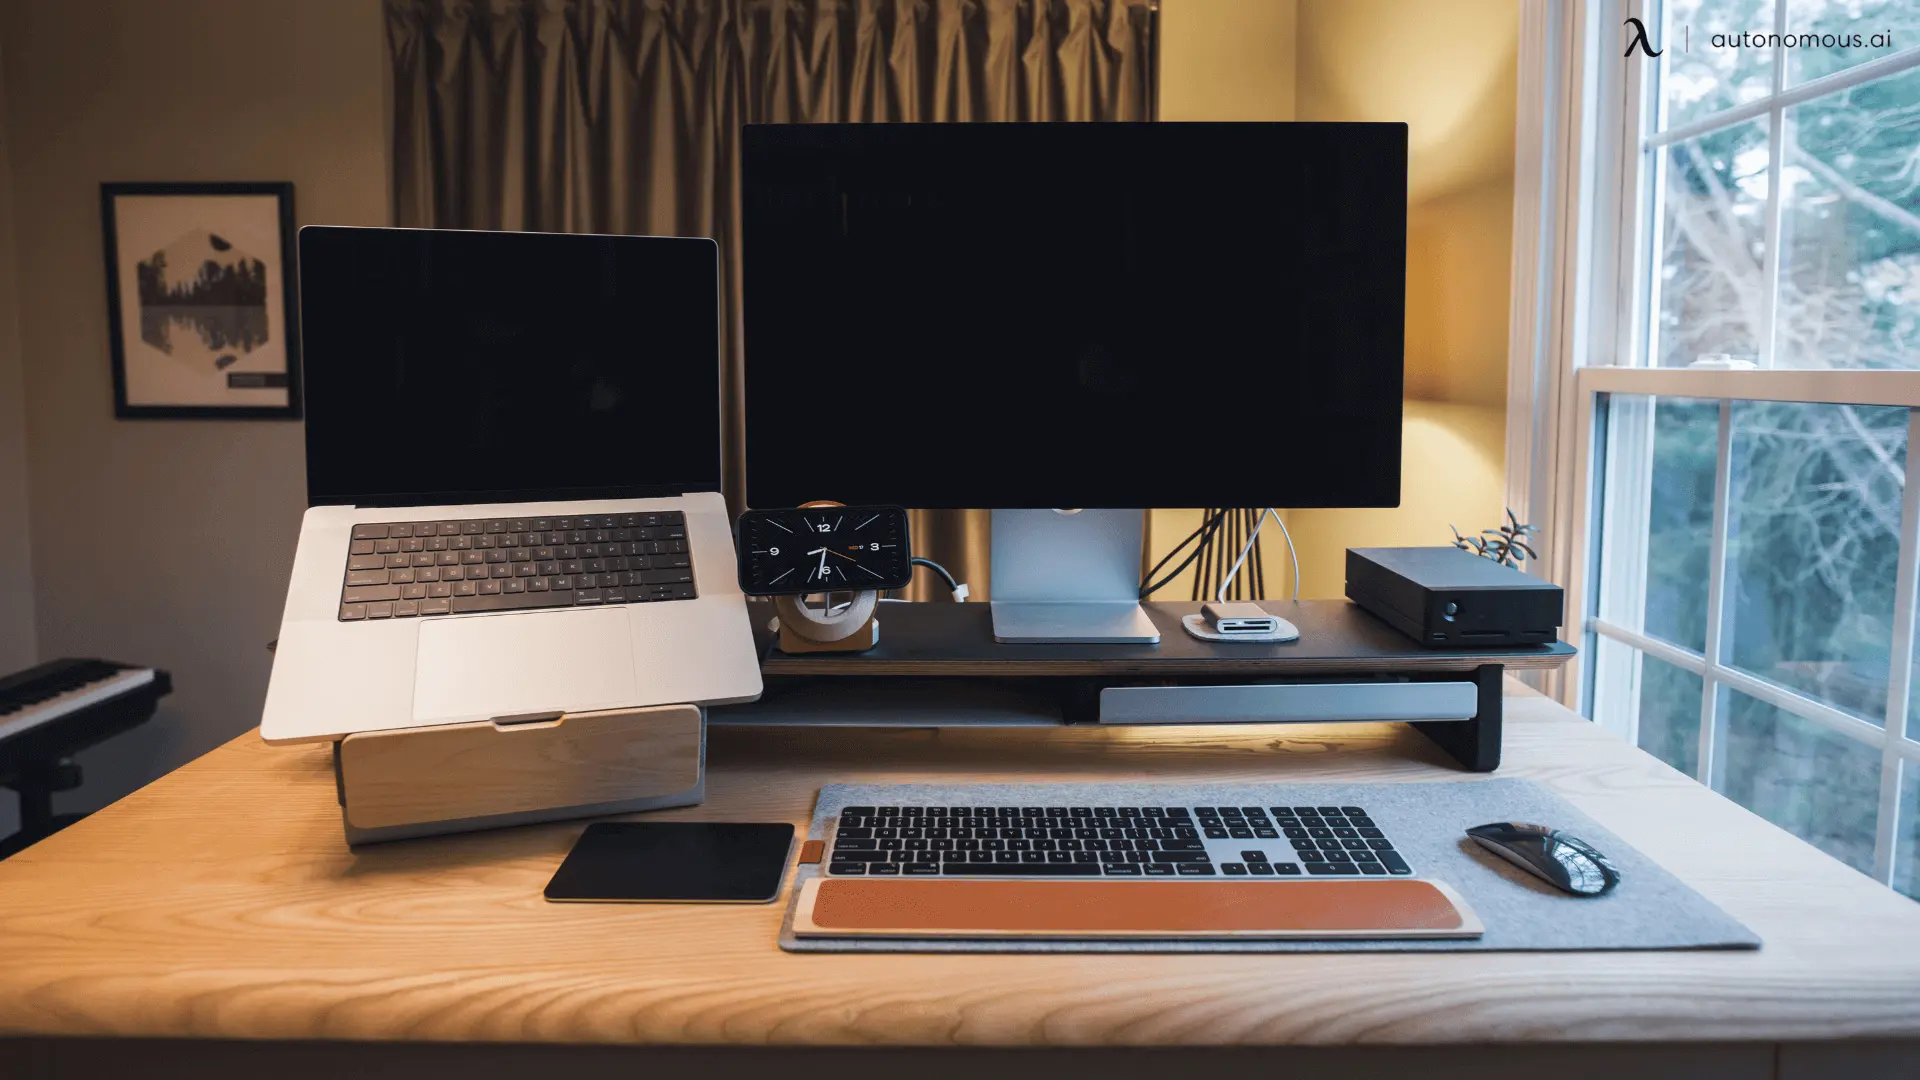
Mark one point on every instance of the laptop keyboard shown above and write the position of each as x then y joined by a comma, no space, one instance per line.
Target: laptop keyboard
405,569
1113,841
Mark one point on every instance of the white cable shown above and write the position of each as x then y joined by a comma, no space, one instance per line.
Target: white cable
1221,595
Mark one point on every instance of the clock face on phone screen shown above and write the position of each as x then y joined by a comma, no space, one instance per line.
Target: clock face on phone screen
822,549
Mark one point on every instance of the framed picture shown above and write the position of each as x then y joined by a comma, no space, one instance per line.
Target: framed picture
201,300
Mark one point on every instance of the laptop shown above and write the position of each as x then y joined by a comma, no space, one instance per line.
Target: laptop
513,474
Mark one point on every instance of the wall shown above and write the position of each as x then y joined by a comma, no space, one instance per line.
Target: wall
1447,70
1227,59
167,542
17,646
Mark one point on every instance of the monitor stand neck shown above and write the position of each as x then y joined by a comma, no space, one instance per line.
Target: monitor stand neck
1068,576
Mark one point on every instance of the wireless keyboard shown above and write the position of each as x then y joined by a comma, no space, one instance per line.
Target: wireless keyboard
1112,841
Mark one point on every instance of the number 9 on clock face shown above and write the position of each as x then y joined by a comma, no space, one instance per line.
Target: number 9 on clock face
823,549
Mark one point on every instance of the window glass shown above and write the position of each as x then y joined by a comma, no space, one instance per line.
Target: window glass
1825,36
1813,530
1711,286
1906,856
1817,784
1686,435
1698,79
1907,848
1670,714
1850,229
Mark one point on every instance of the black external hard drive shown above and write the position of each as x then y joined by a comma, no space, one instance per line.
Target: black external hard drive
1446,598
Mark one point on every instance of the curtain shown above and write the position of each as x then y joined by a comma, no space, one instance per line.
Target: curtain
624,116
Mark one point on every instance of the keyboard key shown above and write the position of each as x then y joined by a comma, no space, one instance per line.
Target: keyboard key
1179,856
1254,856
369,532
920,868
1332,869
883,868
382,610
352,612
1160,869
1381,844
1260,869
433,606
405,609
999,869
847,869
366,577
1215,833
1191,869
1234,869
1394,863
1371,868
1352,811
1121,870
1286,869
370,593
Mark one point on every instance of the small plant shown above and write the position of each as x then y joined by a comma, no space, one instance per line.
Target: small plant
1506,545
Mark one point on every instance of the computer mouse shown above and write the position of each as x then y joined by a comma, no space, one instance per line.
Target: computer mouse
1568,863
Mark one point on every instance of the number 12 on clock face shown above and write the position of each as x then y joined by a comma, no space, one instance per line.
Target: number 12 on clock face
823,549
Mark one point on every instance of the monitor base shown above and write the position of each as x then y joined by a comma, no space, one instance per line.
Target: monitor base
1068,576
1057,623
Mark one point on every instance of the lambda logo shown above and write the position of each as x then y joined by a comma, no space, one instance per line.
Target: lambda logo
1639,39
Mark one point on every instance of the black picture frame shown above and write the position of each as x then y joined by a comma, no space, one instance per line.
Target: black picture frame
130,406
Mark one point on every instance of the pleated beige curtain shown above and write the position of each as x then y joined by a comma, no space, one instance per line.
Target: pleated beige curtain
624,116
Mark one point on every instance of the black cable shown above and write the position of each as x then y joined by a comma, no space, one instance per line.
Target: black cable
1202,533
952,585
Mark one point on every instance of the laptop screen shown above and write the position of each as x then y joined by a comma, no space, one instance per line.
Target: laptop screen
452,367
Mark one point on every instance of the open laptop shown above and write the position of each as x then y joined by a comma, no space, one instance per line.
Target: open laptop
513,466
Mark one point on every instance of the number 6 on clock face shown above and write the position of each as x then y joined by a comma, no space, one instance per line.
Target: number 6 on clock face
823,549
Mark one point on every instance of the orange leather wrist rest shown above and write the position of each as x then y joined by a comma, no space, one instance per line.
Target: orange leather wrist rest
987,908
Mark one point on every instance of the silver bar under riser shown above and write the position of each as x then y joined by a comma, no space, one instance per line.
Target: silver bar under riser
1289,703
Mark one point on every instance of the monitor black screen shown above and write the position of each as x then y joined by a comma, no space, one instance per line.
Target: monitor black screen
486,366
1075,315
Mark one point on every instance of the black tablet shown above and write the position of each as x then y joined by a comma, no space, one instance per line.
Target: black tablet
711,862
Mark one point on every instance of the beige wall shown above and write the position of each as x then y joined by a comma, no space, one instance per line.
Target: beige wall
1226,59
17,648
168,542
1448,71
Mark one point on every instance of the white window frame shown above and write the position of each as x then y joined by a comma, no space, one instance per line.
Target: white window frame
1587,162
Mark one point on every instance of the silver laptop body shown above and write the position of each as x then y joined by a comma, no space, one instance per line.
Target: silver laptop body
513,460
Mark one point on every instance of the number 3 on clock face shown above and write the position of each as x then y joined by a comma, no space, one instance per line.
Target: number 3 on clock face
823,549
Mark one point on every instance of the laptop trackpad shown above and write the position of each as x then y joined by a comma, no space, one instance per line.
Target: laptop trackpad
502,665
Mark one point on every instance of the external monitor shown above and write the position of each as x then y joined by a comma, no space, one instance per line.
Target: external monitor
1104,316
465,367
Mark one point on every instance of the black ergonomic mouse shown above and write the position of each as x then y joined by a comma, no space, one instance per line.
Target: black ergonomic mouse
1568,863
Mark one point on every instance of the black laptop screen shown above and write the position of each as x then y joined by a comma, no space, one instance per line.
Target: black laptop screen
489,366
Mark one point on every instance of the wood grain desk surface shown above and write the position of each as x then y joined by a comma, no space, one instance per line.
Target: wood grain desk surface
221,902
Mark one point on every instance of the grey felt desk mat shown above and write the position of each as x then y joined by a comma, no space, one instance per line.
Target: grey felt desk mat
1650,909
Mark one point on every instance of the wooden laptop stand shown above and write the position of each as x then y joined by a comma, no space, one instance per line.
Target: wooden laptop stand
424,781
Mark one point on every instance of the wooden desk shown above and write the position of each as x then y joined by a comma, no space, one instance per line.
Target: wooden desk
220,905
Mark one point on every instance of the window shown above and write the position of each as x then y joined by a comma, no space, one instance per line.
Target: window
1751,385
